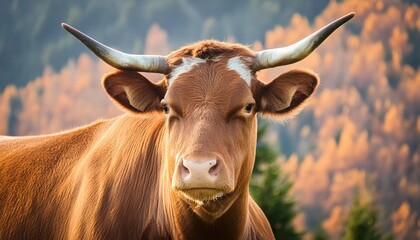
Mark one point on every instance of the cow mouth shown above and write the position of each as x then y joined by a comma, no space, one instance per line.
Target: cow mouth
202,196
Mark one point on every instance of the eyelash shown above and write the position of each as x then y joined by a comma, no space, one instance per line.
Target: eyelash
249,107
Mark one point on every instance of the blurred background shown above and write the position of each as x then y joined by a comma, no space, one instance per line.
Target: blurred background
347,167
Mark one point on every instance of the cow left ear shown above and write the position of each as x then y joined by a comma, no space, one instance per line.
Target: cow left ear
133,92
285,96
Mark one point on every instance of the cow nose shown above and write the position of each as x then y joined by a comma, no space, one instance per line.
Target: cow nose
200,170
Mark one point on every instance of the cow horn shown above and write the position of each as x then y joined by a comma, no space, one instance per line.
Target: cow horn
121,60
293,53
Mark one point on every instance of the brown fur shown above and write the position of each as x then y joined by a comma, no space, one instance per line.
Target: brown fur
114,179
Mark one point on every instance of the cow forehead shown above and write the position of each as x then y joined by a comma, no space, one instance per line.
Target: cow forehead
236,64
213,85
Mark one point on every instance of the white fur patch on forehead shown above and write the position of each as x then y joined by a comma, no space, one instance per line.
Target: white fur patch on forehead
236,64
186,66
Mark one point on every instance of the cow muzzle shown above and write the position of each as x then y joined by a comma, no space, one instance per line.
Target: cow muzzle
201,179
199,172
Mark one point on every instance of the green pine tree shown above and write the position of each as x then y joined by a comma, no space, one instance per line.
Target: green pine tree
270,189
362,222
320,234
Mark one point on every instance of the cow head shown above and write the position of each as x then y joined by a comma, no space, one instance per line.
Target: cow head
210,97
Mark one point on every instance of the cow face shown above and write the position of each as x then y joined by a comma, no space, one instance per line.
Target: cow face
210,103
210,119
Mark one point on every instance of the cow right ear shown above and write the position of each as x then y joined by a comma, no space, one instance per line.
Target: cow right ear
134,92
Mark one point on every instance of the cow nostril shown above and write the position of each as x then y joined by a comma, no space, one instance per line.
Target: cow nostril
214,170
185,169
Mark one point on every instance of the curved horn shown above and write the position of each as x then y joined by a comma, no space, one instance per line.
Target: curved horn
121,60
293,53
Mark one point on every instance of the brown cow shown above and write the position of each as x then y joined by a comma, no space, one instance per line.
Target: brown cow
180,174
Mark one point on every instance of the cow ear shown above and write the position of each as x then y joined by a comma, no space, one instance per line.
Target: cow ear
134,92
285,96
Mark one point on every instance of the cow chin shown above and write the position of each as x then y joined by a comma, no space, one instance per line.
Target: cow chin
208,203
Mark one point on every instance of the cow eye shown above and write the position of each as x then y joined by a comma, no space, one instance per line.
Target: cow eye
248,107
165,108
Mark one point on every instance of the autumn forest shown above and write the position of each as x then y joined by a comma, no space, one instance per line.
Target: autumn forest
359,136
